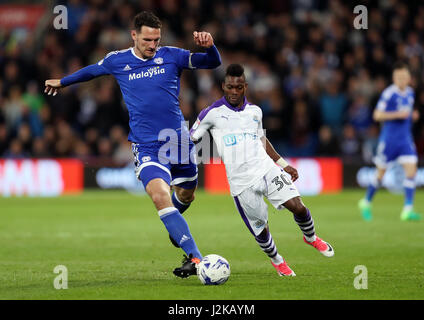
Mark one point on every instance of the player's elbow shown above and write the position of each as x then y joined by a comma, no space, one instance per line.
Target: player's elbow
218,62
214,63
215,60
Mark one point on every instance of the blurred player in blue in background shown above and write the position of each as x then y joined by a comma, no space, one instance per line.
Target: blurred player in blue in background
149,78
395,110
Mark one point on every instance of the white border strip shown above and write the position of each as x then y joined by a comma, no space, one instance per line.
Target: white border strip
407,159
139,168
181,180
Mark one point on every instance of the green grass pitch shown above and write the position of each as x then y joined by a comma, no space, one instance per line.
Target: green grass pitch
115,247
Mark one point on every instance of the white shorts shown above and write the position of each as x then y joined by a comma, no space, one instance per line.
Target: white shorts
276,186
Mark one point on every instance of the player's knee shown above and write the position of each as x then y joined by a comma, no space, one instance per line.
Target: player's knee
185,196
160,199
410,171
296,206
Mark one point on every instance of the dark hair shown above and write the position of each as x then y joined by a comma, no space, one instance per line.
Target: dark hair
235,70
400,65
146,18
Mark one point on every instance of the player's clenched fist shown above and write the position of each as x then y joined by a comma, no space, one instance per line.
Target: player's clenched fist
52,85
292,171
203,39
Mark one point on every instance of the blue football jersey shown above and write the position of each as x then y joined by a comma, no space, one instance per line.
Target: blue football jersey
399,130
150,88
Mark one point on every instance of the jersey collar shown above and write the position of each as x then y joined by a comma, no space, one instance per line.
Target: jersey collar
132,51
225,102
402,93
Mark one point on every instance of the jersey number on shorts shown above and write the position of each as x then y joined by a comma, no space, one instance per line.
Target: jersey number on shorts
280,183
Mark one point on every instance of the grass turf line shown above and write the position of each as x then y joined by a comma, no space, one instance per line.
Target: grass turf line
115,247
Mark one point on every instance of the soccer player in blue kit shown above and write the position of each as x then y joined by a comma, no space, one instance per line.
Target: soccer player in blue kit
149,79
395,110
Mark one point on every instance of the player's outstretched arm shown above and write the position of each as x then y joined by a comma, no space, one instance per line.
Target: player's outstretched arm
209,60
269,148
379,115
85,74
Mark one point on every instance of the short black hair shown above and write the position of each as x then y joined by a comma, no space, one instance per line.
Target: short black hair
400,65
235,70
148,19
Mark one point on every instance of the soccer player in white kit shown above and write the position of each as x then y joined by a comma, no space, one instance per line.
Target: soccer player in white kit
254,169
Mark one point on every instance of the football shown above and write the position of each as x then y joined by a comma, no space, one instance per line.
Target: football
213,270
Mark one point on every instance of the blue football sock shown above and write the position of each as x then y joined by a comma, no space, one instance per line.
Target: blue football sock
181,206
409,189
179,230
372,189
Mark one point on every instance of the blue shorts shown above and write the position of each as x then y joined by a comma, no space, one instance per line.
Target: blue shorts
152,162
388,152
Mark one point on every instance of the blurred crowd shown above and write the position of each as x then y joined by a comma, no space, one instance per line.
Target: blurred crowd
316,77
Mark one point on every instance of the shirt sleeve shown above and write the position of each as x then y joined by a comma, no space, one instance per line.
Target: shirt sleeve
199,60
384,99
181,57
202,124
106,62
209,60
90,72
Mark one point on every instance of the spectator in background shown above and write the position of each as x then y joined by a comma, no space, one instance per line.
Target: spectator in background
294,81
333,105
35,102
65,139
15,151
370,143
81,150
4,138
360,116
302,142
380,65
15,109
275,122
298,47
77,11
104,147
24,137
49,138
108,111
91,137
121,146
11,78
39,148
350,144
328,145
365,86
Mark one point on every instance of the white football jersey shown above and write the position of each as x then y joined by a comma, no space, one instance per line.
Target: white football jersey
237,134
